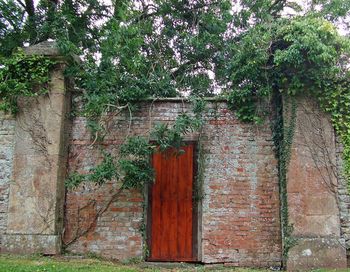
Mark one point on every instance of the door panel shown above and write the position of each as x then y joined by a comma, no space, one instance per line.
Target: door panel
171,216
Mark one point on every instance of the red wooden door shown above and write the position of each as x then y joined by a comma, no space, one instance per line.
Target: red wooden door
172,226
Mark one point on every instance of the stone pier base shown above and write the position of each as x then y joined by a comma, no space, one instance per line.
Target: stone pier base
310,253
32,243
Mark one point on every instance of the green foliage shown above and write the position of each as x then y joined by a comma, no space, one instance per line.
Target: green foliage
74,180
171,47
336,100
138,61
135,163
22,75
198,107
103,172
136,173
165,48
172,136
291,56
242,102
283,133
309,55
304,55
132,165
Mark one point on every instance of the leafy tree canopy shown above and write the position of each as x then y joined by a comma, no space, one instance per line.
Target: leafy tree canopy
132,49
138,48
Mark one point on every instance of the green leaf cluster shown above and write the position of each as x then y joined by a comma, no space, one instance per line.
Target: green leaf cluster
302,56
166,136
22,76
305,54
100,174
135,163
336,101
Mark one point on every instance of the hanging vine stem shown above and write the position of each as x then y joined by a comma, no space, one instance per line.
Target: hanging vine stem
104,123
200,168
98,214
199,108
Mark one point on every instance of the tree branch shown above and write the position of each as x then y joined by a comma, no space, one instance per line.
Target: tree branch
276,7
29,7
21,4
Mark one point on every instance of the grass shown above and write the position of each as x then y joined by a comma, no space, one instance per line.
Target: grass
10,263
29,264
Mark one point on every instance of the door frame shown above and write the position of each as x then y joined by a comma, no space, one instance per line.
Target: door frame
196,212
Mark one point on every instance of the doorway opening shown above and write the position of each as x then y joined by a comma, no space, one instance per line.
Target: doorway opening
172,227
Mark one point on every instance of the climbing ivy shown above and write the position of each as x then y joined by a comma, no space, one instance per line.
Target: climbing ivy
336,101
304,56
22,75
283,133
99,174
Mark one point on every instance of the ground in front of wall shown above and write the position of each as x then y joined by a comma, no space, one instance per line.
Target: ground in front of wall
10,263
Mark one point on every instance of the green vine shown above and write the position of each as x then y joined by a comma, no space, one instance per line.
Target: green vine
198,193
336,101
307,56
283,133
143,231
22,75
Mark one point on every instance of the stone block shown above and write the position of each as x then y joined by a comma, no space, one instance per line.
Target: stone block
34,194
314,253
31,244
40,125
312,197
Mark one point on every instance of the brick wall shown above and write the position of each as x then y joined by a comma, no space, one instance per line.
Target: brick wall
7,128
239,208
240,205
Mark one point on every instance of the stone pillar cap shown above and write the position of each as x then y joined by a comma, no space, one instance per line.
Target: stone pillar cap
49,49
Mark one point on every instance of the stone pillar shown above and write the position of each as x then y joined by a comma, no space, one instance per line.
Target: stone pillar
312,192
7,130
35,213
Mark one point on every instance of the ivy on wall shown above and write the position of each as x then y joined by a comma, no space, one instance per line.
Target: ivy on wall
336,101
283,133
22,75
